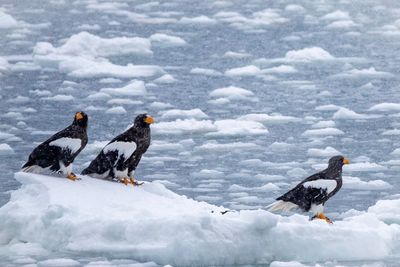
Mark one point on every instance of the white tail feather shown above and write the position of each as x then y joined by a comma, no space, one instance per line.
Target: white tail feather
281,205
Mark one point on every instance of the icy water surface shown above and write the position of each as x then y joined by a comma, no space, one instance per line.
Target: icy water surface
249,96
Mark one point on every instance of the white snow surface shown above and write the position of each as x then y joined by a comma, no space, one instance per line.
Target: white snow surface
151,223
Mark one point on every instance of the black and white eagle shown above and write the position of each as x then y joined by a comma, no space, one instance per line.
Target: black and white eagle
312,193
119,158
55,155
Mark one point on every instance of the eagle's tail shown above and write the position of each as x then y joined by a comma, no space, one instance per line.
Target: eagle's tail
281,205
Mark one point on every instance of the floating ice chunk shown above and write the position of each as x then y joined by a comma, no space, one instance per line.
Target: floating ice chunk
290,264
166,40
207,72
236,55
370,72
244,71
208,174
324,124
116,110
238,146
273,118
86,44
232,93
264,188
7,21
238,127
166,78
109,80
184,114
200,20
40,92
395,152
326,152
6,149
59,98
134,88
89,27
328,108
184,126
280,147
87,67
364,167
83,55
3,63
347,114
19,100
162,146
255,21
392,132
385,107
295,8
99,96
281,69
160,105
323,132
342,24
356,183
124,101
61,262
337,15
308,54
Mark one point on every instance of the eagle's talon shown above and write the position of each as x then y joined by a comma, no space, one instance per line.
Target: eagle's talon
135,182
321,216
125,181
72,177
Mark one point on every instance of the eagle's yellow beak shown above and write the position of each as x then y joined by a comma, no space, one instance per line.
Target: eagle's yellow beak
78,116
346,161
149,120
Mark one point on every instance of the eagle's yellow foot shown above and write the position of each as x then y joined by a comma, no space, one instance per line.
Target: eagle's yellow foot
135,182
322,217
72,177
126,181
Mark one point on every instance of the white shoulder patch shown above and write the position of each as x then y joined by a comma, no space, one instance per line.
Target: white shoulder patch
327,184
66,142
123,148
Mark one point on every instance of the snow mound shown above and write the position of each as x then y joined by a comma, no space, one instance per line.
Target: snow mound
151,223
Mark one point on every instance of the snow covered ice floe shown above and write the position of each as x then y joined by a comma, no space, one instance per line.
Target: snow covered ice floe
151,223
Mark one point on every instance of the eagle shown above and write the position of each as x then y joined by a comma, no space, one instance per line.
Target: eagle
312,193
120,157
56,154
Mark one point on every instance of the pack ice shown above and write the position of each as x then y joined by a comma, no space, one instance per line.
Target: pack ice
151,223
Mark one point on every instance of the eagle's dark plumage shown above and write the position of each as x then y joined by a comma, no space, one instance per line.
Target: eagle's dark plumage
56,154
312,193
120,157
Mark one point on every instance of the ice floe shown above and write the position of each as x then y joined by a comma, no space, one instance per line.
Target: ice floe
162,225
